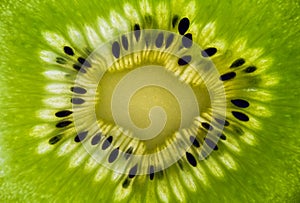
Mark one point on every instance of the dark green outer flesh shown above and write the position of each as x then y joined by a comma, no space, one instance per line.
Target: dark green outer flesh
269,171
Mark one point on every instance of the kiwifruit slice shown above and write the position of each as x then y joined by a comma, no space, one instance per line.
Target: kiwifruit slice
59,145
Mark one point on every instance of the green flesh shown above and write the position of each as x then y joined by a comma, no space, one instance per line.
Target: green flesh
260,165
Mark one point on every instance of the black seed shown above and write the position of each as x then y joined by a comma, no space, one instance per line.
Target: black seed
96,139
240,103
237,63
80,136
76,67
191,159
240,116
132,172
63,113
151,172
116,49
84,62
226,123
79,68
211,144
125,42
169,40
222,122
184,60
68,50
250,69
113,155
183,25
77,101
107,143
187,40
227,76
207,126
78,90
61,60
63,124
174,20
223,137
209,52
194,141
159,40
216,147
137,31
81,60
128,152
126,183
55,139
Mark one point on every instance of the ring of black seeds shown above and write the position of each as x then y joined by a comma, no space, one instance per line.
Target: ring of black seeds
105,141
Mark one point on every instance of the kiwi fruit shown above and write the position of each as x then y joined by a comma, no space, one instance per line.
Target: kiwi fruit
226,89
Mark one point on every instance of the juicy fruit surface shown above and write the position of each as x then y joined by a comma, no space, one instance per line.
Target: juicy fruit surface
266,168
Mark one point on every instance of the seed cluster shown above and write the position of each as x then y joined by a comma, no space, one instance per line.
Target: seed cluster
82,65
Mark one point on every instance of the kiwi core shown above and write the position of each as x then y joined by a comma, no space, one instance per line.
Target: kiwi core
156,101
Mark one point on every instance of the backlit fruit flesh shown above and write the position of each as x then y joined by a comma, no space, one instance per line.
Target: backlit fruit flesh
254,47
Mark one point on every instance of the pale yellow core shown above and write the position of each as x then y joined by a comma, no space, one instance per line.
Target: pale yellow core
141,103
145,98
